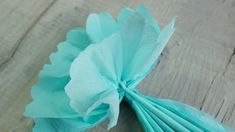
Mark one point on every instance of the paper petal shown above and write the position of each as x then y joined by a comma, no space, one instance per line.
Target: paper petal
141,45
92,82
148,53
143,11
100,26
50,106
124,15
48,94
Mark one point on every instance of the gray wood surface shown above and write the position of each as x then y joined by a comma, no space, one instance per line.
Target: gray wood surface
197,67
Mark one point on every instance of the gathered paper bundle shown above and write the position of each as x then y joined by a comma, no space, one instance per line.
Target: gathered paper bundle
98,67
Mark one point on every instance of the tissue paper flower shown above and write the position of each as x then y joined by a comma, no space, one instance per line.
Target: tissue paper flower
98,67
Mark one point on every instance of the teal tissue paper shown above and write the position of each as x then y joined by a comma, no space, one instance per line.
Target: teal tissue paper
96,68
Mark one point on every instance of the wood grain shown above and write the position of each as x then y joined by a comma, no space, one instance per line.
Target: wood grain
197,67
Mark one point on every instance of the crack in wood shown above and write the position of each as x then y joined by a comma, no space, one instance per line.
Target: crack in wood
233,108
217,113
229,113
223,119
205,96
20,41
229,61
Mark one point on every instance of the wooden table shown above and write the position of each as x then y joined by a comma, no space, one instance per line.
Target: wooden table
197,67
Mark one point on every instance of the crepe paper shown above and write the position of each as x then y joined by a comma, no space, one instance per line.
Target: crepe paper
98,67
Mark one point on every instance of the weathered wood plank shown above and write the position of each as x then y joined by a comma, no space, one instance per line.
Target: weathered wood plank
16,19
197,67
